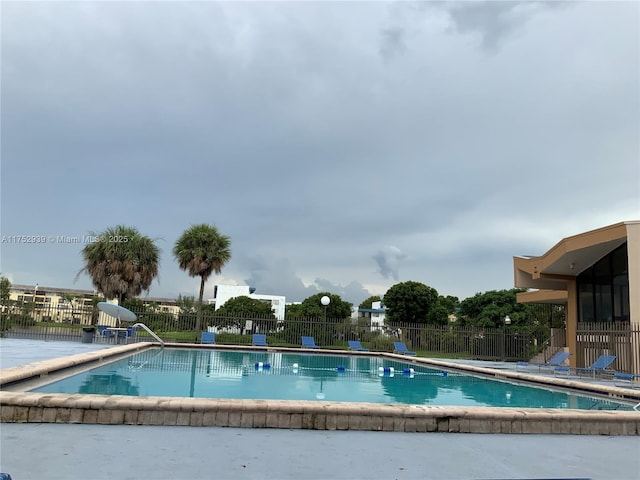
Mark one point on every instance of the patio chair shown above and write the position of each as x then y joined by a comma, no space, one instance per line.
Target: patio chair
401,348
260,340
104,333
356,345
208,338
557,360
309,342
600,365
628,380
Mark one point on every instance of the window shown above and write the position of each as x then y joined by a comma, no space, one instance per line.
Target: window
603,289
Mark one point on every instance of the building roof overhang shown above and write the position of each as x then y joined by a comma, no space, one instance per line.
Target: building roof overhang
567,259
555,297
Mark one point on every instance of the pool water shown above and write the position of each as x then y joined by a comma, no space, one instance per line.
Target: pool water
273,375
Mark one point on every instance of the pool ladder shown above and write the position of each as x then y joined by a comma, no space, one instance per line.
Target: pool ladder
150,332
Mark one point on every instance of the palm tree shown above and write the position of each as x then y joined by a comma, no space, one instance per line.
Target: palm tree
121,262
202,250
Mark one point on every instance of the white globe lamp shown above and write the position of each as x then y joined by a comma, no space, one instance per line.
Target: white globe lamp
325,301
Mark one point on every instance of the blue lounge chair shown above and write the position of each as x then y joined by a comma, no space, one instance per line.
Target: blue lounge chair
557,360
600,365
627,379
309,342
103,332
260,340
401,348
208,337
356,345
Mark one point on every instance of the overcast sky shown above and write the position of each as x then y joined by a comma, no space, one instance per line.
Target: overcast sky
343,146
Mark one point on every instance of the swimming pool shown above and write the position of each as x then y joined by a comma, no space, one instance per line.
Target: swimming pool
19,405
265,375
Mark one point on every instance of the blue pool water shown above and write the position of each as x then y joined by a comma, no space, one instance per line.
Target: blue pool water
272,375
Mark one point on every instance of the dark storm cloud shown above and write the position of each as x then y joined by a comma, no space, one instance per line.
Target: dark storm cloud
312,133
494,21
277,276
392,43
388,260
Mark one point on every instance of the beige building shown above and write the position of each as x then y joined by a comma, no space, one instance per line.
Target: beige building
69,305
52,304
596,275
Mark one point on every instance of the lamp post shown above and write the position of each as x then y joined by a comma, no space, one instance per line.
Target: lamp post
325,301
507,322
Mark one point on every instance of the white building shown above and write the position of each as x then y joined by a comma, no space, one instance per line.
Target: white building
222,293
375,315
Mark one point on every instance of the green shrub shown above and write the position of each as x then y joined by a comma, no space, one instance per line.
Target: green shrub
5,323
159,322
381,344
233,338
21,320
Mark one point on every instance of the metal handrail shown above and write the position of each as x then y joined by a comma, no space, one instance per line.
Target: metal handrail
547,345
150,332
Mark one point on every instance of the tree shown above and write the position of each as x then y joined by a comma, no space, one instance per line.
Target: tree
490,308
337,308
121,262
246,308
208,310
138,306
5,292
444,306
449,302
306,319
187,305
438,315
95,313
368,303
70,301
409,302
201,251
295,310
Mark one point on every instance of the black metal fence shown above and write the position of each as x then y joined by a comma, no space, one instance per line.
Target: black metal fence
450,340
38,321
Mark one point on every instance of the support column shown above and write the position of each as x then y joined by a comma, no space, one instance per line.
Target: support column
633,254
572,321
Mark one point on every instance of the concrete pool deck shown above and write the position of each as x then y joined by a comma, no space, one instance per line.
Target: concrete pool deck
91,451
